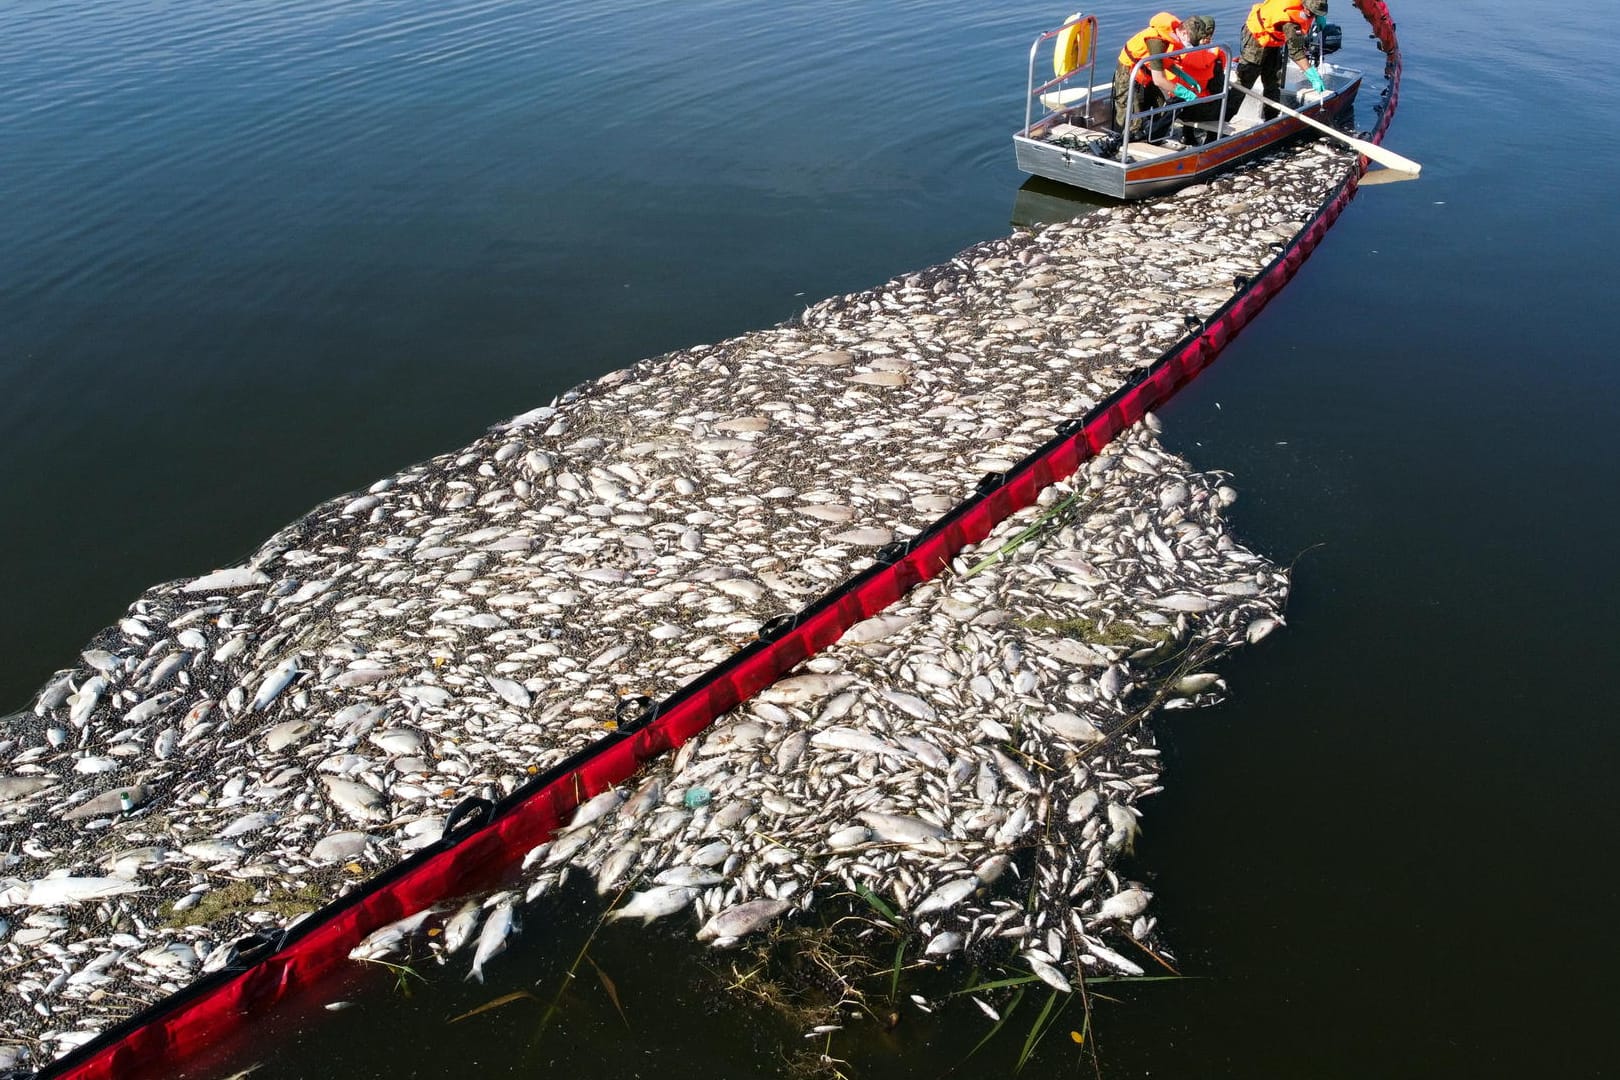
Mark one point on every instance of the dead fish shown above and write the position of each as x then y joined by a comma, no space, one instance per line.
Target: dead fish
356,799
163,745
910,704
1126,904
900,829
743,919
1081,807
117,800
497,932
391,939
54,695
947,896
83,703
877,628
990,871
924,750
843,738
513,693
172,957
850,837
654,903
401,742
280,677
340,846
1187,602
459,928
1048,974
1123,828
617,865
1015,773
20,787
863,536
1259,628
215,851
60,891
1069,726
596,808
1071,652
251,823
645,798
790,750
692,877
238,577
798,688
563,847
1112,958
1197,683
286,734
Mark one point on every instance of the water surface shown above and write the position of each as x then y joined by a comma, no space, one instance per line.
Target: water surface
259,255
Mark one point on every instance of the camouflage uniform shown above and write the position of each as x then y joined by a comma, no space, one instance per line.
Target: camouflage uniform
1147,97
1267,61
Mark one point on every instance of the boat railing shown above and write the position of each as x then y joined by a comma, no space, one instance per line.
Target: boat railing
1175,105
1087,64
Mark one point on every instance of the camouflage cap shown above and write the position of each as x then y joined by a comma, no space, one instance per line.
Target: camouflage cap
1198,27
1316,7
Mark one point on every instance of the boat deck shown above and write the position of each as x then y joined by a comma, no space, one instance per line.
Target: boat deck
1066,128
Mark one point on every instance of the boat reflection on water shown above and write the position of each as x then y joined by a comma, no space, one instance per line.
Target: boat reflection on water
1385,176
1046,202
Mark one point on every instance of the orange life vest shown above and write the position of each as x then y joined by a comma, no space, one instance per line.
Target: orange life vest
1199,67
1163,27
1267,16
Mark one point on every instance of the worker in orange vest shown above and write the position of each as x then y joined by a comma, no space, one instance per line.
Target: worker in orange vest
1271,26
1153,84
1204,73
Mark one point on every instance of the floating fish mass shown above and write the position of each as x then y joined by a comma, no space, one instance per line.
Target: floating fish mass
289,726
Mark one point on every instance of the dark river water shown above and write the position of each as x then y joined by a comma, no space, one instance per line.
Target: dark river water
258,255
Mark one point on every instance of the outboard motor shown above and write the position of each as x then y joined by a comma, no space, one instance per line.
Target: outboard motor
1326,43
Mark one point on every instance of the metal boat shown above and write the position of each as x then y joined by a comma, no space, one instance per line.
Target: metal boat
1070,135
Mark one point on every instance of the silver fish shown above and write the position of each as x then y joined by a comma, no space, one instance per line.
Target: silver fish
280,677
60,891
1048,974
947,896
743,919
356,799
237,577
654,903
901,829
1125,904
459,928
391,939
492,941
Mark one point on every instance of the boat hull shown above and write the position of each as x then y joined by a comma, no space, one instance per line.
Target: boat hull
1165,172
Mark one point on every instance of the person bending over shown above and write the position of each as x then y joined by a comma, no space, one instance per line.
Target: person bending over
1153,85
1272,26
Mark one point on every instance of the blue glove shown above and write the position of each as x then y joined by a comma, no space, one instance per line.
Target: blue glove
1314,77
1187,95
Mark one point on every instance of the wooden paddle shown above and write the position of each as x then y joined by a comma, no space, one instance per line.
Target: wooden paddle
1387,158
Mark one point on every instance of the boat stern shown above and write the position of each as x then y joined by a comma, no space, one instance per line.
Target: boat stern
1070,163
